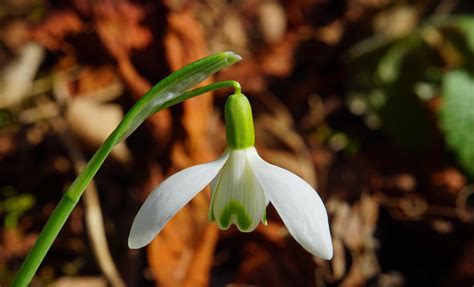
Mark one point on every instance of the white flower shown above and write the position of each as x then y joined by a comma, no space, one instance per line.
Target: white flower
242,185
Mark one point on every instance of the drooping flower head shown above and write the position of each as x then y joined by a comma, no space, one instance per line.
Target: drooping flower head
242,185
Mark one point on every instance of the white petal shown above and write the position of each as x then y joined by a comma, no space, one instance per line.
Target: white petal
237,197
170,196
298,204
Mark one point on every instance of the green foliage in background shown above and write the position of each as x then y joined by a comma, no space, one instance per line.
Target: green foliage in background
14,205
385,82
457,116
395,79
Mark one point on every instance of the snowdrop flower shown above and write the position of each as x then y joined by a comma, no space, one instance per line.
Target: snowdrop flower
242,185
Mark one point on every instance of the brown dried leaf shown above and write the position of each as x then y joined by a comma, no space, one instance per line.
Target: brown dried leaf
118,25
397,21
332,33
15,243
93,122
57,25
83,281
16,79
266,261
179,256
92,81
449,179
15,34
278,59
354,226
272,20
7,145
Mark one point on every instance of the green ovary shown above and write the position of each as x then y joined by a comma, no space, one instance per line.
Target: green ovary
235,210
239,127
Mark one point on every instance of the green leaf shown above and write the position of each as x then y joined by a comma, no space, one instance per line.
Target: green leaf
388,68
466,25
171,87
14,205
405,119
457,116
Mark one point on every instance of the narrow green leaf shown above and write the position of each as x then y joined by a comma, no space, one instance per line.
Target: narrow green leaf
172,87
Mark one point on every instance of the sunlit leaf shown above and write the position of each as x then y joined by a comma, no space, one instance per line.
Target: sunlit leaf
457,116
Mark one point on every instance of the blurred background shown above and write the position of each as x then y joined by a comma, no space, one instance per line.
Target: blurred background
371,101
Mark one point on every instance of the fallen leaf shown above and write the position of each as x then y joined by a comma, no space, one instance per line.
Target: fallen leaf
354,227
93,122
15,34
83,281
272,20
101,83
17,77
449,179
118,27
51,32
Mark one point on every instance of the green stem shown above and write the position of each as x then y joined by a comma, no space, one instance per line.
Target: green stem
69,200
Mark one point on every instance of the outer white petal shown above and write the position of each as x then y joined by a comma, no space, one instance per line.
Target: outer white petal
298,204
170,196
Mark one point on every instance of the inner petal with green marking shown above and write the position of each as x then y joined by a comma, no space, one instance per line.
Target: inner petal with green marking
237,198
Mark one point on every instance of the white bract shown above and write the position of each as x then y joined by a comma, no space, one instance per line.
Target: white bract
242,185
